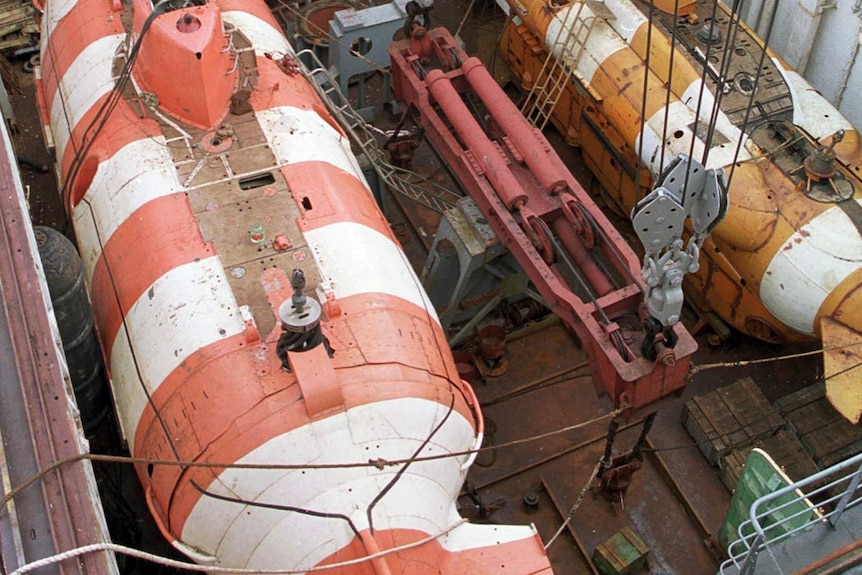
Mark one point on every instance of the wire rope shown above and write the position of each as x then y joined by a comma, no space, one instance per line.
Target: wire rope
647,72
753,92
669,86
712,26
167,562
726,59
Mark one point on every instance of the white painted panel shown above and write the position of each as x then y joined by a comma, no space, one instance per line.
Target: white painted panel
678,141
470,536
56,10
262,36
138,173
188,308
297,136
129,394
723,125
356,259
260,537
603,42
87,79
815,261
811,111
628,18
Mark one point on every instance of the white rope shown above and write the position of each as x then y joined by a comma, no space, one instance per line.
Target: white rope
575,506
213,569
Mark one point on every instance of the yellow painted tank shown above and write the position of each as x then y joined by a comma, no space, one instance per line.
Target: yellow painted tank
786,262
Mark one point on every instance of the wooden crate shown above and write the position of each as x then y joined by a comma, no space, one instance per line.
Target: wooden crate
827,437
783,447
731,417
623,554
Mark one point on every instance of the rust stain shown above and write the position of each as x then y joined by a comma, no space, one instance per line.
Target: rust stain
804,233
736,304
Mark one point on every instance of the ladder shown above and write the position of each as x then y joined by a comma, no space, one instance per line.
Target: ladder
407,183
570,42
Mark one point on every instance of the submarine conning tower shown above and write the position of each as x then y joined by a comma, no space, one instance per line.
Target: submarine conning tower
186,59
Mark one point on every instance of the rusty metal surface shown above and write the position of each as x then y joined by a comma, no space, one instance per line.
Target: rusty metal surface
61,511
574,534
674,501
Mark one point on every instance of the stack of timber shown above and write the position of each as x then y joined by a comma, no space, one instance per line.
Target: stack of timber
8,75
732,417
827,437
802,433
18,25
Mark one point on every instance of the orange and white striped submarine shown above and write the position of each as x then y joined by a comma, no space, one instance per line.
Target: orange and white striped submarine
785,264
261,324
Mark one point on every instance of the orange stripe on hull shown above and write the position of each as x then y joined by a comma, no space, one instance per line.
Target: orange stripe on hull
88,21
121,128
158,237
287,89
236,398
523,556
332,196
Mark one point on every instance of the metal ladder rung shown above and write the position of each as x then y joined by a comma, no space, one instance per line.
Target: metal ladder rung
551,81
356,128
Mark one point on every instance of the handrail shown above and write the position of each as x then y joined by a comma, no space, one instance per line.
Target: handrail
770,515
407,183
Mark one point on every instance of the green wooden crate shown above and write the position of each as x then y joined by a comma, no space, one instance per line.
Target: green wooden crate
622,554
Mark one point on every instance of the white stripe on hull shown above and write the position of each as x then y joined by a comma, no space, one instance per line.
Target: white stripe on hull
262,36
296,540
188,308
678,141
355,259
811,111
679,118
138,173
129,395
719,156
87,79
297,136
815,260
56,10
603,42
628,18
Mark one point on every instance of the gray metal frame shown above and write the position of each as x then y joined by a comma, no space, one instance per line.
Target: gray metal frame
744,551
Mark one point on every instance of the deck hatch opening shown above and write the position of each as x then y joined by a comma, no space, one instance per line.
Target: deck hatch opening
306,203
256,181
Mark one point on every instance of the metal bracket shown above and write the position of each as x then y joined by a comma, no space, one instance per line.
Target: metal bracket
360,38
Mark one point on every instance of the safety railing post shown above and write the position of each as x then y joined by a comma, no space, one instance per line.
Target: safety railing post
845,498
751,559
